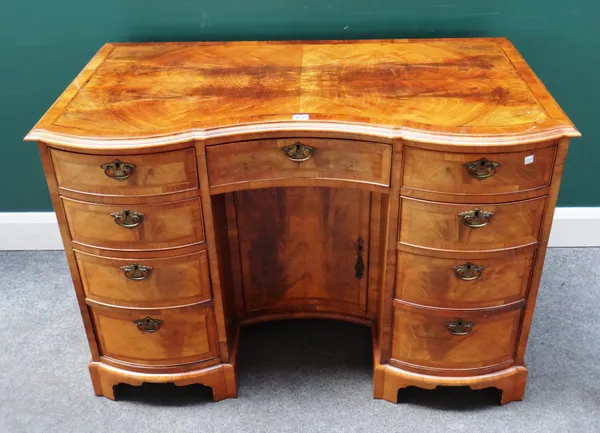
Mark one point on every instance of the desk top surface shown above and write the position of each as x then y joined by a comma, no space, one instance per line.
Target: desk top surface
440,90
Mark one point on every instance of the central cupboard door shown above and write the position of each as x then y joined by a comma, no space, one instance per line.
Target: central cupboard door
304,249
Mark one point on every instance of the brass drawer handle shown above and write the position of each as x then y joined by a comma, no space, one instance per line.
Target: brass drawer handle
460,327
127,218
137,272
476,218
298,152
118,170
148,324
468,271
482,169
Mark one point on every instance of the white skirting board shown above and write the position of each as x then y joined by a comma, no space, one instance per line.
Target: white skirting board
29,231
573,227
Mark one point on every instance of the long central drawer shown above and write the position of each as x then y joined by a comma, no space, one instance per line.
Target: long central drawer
299,158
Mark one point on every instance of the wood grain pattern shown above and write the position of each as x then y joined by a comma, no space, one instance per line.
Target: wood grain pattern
538,265
66,240
438,226
218,280
389,236
163,226
402,84
186,335
250,164
154,174
234,253
130,200
421,338
375,255
220,378
431,281
424,89
160,369
298,246
389,379
172,281
446,172
228,261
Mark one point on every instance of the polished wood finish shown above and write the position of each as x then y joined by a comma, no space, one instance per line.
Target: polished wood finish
250,164
164,226
445,172
187,334
415,89
154,174
172,281
538,265
438,226
388,380
66,239
431,281
221,379
218,277
319,231
422,339
359,222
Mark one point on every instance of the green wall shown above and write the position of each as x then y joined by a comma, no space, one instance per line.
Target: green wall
44,44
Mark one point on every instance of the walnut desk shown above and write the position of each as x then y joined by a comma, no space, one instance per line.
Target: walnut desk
407,185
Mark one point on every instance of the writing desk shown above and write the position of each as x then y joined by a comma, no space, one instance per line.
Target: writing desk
408,185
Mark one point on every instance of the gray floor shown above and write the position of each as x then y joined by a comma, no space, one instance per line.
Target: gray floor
296,376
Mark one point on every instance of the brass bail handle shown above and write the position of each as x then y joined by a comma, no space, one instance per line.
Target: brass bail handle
118,170
460,327
298,152
482,168
127,219
136,272
148,324
476,218
468,271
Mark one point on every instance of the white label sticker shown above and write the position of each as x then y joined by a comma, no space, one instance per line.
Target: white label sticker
528,159
300,116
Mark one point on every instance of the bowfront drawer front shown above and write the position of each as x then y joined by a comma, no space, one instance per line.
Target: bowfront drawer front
302,158
136,227
145,282
462,283
470,227
156,337
126,175
454,340
477,173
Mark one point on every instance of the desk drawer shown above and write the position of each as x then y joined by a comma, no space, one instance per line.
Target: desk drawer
477,173
454,340
263,160
444,226
144,227
162,337
468,282
144,282
126,175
